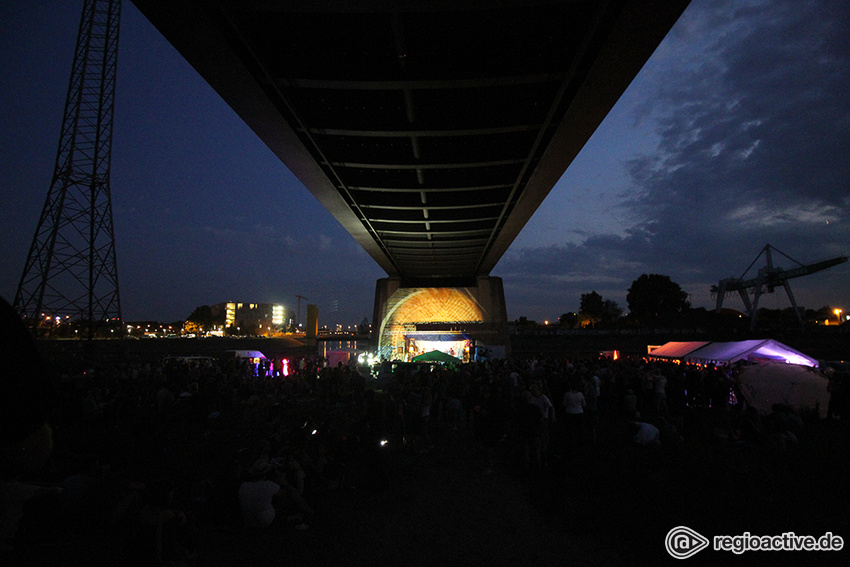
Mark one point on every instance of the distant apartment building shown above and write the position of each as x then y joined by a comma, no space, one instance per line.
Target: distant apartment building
250,318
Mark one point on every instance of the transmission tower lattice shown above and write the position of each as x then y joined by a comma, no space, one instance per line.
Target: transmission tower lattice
70,270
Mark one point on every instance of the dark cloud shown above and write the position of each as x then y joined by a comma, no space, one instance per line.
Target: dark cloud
752,107
765,123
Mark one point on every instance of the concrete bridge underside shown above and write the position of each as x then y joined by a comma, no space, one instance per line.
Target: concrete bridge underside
431,130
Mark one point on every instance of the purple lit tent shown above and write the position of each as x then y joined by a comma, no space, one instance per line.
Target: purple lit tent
753,351
776,373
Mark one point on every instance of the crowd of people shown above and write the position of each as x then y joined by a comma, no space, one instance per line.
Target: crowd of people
146,454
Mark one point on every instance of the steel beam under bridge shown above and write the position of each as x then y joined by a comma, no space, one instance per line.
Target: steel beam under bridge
431,130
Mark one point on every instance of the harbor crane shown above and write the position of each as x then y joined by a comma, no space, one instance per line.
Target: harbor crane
769,277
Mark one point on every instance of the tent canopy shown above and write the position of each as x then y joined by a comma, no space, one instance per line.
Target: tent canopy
676,349
704,352
751,351
435,356
245,353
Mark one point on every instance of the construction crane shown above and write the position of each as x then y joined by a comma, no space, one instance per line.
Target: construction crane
769,277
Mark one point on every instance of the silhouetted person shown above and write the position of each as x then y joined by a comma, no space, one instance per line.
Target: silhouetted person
26,438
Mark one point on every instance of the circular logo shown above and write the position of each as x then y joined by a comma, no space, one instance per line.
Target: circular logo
683,542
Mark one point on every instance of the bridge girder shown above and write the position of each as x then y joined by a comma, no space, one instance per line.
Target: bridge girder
433,130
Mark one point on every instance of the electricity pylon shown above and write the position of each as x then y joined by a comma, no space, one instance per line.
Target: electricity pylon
70,272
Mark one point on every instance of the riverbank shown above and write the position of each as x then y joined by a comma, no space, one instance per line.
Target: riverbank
821,344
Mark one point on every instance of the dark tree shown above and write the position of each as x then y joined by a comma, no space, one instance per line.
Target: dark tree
202,317
568,320
591,306
597,310
656,298
610,311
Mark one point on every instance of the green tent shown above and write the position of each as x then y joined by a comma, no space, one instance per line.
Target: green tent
435,356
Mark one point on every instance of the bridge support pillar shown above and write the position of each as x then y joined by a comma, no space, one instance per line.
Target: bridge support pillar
311,328
468,322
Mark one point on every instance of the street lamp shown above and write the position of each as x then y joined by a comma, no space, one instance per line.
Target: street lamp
838,315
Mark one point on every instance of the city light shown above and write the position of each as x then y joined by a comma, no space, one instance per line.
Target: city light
838,315
277,315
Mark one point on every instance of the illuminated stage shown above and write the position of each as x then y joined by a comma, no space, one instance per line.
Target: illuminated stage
468,323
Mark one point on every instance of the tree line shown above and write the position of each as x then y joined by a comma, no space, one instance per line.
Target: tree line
653,300
656,300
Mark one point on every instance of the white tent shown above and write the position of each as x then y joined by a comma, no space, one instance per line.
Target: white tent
249,354
764,385
676,350
752,351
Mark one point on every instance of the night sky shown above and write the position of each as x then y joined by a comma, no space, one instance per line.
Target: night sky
735,134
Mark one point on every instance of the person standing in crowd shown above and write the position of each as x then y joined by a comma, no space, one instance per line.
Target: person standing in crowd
529,428
547,411
26,437
574,404
591,410
659,399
